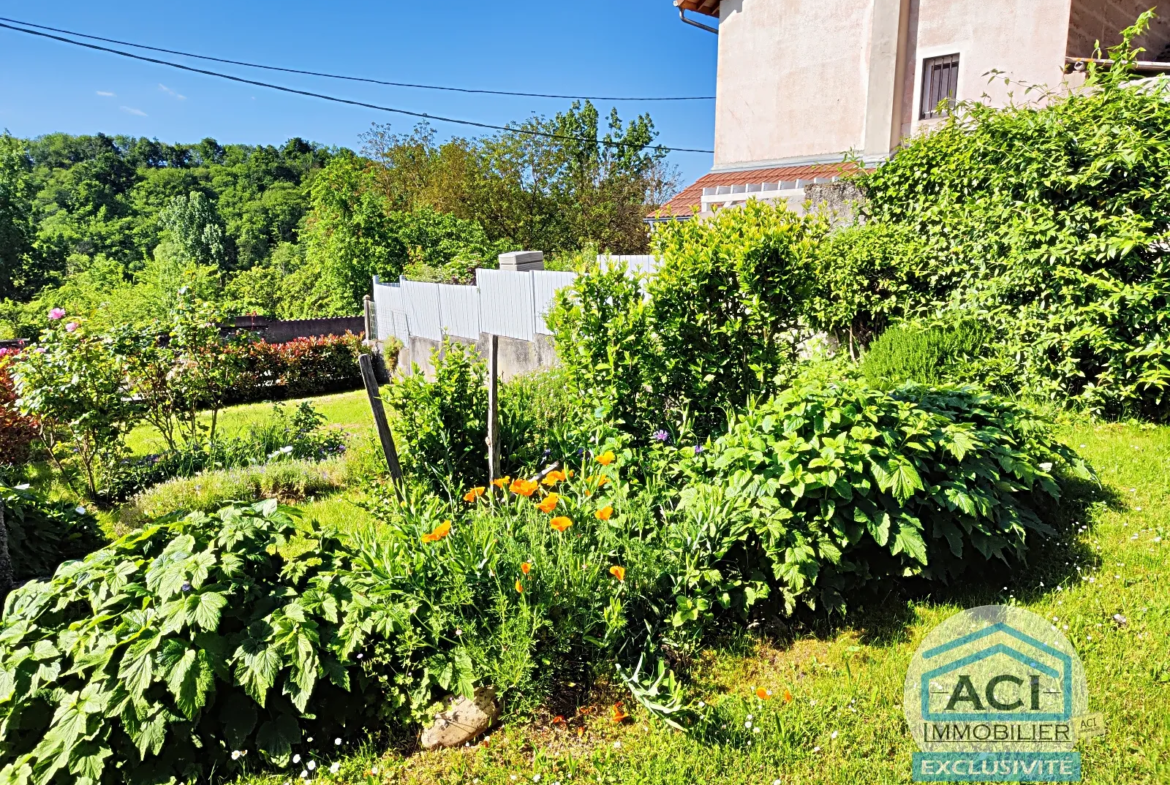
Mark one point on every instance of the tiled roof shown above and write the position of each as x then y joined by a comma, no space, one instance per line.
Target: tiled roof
708,7
684,204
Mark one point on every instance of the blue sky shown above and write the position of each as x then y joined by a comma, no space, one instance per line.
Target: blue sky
605,47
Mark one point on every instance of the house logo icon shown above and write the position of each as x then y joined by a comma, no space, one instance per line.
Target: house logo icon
995,694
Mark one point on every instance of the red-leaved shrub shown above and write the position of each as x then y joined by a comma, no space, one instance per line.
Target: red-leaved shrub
299,368
16,431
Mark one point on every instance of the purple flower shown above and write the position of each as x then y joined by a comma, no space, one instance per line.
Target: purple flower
661,436
56,314
71,327
698,449
186,587
40,350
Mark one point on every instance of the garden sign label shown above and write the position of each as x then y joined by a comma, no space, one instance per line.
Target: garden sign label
997,694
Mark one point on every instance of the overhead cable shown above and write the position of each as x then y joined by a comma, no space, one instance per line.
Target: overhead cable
360,78
351,102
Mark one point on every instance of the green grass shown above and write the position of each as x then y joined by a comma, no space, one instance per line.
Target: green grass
845,723
350,411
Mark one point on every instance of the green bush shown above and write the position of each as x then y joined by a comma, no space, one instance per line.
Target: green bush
208,641
725,313
829,486
440,426
43,534
1052,218
867,275
955,350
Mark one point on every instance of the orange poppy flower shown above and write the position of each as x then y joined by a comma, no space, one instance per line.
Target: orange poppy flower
553,477
523,487
606,458
787,696
474,494
763,694
549,503
441,531
525,568
618,572
602,481
580,731
604,514
519,586
501,482
559,720
560,523
618,715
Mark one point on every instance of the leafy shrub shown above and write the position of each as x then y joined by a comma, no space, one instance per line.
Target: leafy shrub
210,640
43,534
953,351
828,487
867,274
604,343
725,312
299,368
440,426
16,430
72,383
540,420
1051,218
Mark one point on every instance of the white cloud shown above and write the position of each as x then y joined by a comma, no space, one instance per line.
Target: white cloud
169,91
106,94
133,111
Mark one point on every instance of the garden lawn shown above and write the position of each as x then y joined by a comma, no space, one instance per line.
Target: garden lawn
350,410
844,722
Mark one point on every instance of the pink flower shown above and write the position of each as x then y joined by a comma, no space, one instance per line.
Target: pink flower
71,327
56,313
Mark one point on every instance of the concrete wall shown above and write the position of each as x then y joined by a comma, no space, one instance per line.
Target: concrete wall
1103,20
793,78
1026,39
516,357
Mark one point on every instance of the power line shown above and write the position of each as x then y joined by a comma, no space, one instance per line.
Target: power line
358,78
350,102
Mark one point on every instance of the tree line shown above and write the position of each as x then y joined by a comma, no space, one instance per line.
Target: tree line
113,227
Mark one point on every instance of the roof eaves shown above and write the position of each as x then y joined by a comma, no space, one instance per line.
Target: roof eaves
708,7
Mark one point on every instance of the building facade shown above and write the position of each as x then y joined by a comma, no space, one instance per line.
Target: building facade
804,85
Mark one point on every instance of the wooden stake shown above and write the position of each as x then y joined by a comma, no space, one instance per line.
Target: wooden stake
366,363
493,418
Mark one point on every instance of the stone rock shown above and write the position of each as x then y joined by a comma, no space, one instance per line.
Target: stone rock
463,721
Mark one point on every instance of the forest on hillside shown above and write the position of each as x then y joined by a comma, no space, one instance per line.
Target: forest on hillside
113,227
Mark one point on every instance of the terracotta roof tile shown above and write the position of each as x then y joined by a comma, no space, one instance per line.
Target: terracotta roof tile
683,205
708,7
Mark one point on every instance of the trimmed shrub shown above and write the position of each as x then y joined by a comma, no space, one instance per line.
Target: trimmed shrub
831,486
952,351
725,313
298,369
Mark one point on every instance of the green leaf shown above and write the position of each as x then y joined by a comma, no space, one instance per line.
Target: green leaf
204,609
276,738
239,718
909,541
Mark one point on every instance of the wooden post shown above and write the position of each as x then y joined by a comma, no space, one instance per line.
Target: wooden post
366,363
369,319
493,417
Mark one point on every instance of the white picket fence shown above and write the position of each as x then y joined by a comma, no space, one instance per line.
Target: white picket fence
505,303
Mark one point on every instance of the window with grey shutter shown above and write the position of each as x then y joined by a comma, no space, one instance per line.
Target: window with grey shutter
940,81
